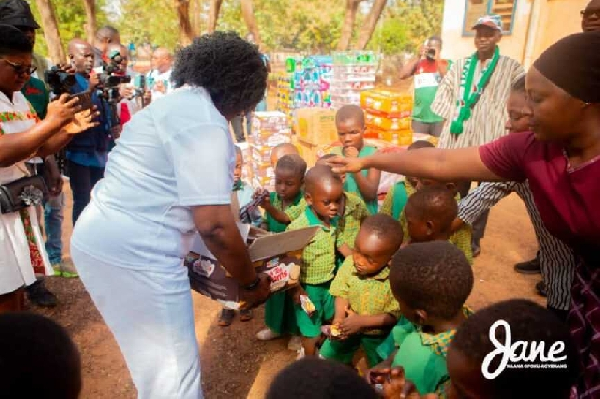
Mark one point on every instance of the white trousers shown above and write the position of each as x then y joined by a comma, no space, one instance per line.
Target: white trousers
151,316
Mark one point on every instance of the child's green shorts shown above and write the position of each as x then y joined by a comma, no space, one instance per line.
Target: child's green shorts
343,351
310,327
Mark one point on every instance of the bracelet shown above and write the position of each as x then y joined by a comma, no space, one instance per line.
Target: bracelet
252,286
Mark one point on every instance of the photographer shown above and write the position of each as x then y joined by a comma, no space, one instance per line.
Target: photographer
428,70
88,152
22,254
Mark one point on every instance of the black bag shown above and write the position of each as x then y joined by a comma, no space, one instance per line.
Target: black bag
22,193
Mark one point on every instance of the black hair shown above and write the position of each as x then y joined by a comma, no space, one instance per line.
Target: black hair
384,226
319,379
106,31
13,41
432,276
434,203
320,174
519,84
37,358
528,322
228,67
350,112
420,144
435,39
294,163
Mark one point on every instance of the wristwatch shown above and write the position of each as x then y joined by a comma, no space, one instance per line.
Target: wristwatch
252,286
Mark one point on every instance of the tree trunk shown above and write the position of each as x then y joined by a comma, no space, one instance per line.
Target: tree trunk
215,8
196,7
186,33
90,26
51,32
248,15
349,19
369,27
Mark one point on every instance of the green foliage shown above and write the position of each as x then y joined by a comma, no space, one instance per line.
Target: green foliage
70,15
405,25
152,21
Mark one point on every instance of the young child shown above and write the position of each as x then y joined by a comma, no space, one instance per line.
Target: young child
529,323
395,199
244,195
461,236
365,308
37,358
281,150
350,123
352,213
324,195
431,282
429,214
289,178
319,379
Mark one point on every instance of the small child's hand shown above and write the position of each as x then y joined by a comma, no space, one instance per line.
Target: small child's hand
396,386
351,152
351,325
296,293
264,194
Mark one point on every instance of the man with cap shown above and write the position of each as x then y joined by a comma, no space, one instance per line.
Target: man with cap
18,14
472,98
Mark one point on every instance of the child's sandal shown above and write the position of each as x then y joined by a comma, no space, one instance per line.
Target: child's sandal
226,317
246,315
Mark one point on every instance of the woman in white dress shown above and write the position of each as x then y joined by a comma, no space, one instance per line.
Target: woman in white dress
22,134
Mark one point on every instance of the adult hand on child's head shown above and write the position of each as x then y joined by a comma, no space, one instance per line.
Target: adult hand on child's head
343,165
258,295
351,152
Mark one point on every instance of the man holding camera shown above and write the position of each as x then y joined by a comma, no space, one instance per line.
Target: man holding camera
428,71
87,153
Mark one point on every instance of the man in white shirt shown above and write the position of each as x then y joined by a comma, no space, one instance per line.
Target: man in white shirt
159,79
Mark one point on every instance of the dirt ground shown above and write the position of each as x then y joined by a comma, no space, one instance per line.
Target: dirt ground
234,363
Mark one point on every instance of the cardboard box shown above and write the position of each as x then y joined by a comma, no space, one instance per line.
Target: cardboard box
390,104
393,124
316,125
275,254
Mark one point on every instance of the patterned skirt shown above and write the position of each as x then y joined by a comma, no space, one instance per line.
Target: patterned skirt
584,323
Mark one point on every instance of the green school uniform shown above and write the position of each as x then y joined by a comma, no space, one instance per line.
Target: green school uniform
350,185
317,271
280,312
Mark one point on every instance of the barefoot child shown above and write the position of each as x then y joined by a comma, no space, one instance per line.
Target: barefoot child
289,178
395,199
244,194
529,323
350,123
365,308
431,282
324,194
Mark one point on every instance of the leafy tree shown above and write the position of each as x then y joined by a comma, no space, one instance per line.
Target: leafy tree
71,18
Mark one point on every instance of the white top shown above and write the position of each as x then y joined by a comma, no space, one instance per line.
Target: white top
165,78
172,155
15,261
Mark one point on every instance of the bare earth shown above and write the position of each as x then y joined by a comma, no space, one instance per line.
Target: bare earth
234,363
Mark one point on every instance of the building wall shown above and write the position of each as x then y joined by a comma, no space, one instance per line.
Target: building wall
557,18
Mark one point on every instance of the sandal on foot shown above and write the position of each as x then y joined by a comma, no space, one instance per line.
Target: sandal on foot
246,315
226,317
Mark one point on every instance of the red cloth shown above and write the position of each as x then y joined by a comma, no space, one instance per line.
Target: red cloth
125,114
567,198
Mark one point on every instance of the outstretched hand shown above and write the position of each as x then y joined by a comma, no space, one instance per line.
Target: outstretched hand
82,121
395,385
343,165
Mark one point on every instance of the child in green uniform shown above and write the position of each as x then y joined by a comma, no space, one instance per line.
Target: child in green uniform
350,123
431,282
289,178
530,324
365,308
324,194
460,237
395,199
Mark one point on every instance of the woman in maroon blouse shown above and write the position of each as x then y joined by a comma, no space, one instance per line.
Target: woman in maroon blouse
561,160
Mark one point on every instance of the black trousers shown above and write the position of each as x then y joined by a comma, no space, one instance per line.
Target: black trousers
83,179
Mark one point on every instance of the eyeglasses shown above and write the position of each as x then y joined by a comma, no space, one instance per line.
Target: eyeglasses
589,12
21,69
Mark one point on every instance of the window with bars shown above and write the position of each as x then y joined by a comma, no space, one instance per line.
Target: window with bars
477,8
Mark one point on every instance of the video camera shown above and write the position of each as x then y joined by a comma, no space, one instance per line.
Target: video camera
109,79
59,80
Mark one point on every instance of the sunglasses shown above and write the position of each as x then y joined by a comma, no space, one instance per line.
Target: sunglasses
21,69
590,12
